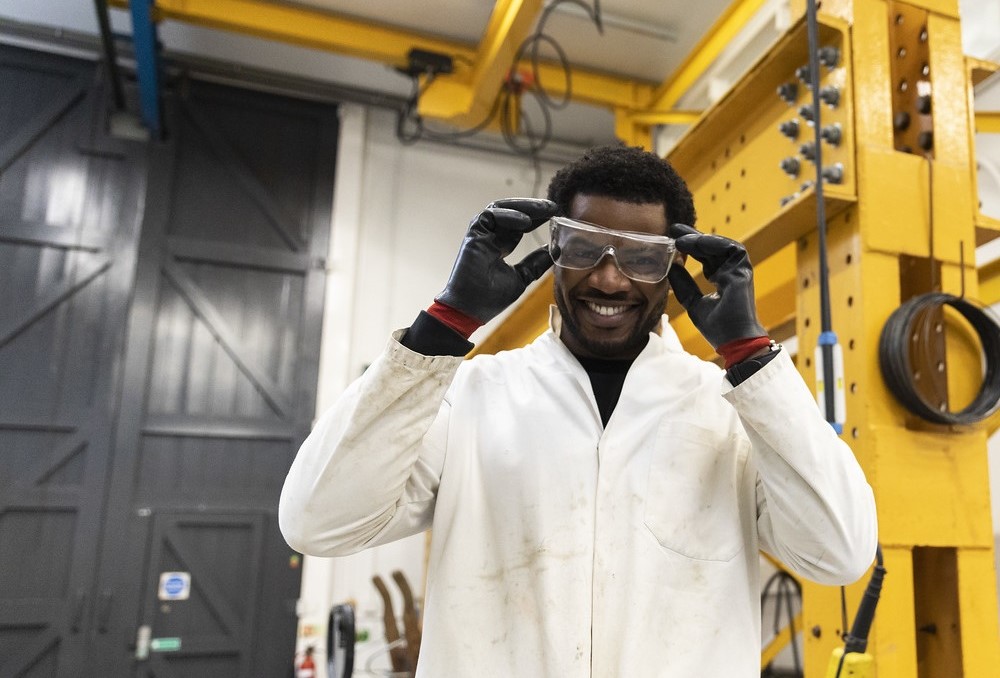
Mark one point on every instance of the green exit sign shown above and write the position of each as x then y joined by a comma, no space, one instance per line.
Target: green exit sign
165,644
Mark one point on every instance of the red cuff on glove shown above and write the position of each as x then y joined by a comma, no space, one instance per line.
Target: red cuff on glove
455,319
739,350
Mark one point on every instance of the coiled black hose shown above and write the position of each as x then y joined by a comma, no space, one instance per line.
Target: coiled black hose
908,328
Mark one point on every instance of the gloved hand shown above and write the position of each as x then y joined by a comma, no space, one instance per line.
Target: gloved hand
730,313
482,284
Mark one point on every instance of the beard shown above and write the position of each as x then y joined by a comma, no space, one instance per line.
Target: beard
607,349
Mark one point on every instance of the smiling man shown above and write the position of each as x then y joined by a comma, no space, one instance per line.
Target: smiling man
599,497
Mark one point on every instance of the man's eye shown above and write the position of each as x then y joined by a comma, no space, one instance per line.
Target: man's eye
578,247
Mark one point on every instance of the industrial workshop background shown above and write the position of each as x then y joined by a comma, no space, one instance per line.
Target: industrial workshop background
212,212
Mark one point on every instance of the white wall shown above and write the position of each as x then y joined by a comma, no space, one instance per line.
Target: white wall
399,216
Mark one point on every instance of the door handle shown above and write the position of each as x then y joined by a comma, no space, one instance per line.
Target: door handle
143,638
79,605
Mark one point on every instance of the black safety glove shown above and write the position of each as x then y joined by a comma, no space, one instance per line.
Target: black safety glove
482,284
729,313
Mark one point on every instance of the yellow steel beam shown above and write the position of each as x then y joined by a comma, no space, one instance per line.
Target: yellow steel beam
630,132
722,32
666,117
465,99
988,122
989,283
343,35
305,28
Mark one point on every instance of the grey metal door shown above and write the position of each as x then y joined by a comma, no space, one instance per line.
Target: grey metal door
207,627
220,376
69,215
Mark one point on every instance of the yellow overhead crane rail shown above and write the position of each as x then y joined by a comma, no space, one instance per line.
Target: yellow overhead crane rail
480,66
463,97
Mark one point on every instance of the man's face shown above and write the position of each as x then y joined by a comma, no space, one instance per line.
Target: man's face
605,314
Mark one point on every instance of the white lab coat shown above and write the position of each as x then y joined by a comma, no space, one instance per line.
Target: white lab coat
563,549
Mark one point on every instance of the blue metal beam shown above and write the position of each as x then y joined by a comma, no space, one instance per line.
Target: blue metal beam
147,60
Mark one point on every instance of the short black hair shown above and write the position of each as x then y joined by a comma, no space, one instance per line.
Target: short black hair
625,173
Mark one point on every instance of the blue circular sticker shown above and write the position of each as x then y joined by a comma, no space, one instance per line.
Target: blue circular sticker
173,585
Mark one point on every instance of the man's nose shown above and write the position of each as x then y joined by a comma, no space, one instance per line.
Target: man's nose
606,277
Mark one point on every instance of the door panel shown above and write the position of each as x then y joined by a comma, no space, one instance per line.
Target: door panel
155,382
214,627
220,381
69,206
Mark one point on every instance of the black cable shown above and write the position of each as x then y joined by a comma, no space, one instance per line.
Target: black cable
856,640
843,612
913,328
512,127
408,114
827,337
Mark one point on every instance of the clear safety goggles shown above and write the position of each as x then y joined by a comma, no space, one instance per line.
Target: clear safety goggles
579,245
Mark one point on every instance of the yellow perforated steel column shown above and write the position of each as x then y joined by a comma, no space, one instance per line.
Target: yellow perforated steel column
911,231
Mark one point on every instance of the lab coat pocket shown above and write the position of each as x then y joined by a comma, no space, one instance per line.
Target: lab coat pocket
692,498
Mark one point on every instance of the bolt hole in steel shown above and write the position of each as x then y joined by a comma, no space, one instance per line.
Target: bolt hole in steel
854,432
850,301
854,387
805,283
809,362
899,19
903,85
848,259
806,322
901,53
850,345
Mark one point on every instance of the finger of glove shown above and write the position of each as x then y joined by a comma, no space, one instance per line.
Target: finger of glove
533,265
678,230
538,210
500,228
713,251
685,288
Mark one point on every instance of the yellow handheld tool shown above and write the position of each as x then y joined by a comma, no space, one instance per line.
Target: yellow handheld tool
851,661
850,665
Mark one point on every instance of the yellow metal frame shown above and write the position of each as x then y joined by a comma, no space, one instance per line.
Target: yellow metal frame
930,482
465,99
988,122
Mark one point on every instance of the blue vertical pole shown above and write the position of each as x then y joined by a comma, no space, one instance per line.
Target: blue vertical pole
147,61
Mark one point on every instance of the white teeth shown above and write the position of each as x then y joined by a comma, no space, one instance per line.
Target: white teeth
604,310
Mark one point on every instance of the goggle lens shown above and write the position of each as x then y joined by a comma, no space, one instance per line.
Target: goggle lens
579,245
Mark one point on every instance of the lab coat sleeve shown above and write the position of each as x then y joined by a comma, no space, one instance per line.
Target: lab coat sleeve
369,471
815,509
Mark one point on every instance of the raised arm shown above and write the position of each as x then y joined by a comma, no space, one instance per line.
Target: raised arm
369,471
815,509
